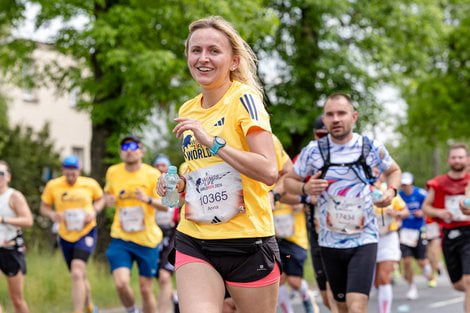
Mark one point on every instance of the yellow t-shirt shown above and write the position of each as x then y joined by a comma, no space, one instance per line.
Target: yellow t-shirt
231,118
291,224
72,198
134,220
281,156
397,204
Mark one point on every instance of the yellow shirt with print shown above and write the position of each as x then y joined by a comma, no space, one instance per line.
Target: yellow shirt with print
299,236
231,118
397,204
123,185
62,197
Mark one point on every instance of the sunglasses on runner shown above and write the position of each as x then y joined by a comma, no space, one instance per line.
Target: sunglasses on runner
133,146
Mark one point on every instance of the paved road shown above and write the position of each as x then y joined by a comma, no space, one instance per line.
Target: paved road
431,300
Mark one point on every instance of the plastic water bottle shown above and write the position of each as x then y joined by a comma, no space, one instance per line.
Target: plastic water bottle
377,195
172,197
466,202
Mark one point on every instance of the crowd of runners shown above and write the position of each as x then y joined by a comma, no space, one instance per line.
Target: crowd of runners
248,214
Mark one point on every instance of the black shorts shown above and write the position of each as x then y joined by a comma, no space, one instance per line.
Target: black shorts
12,261
418,252
317,261
293,257
456,249
350,270
237,260
167,245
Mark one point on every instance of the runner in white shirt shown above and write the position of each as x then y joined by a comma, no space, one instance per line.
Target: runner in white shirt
348,228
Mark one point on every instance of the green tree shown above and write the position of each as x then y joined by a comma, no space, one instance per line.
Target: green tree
342,45
32,158
129,57
438,108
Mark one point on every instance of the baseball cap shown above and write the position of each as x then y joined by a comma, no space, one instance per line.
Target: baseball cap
406,178
133,138
71,162
318,124
162,159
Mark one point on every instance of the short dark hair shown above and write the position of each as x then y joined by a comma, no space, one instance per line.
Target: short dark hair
339,95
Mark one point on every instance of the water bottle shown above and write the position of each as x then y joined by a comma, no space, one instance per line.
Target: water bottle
172,197
377,195
466,202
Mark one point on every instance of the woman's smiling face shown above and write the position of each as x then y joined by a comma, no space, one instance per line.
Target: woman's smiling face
210,58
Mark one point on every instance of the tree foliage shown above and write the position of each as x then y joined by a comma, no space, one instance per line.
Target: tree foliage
349,46
438,108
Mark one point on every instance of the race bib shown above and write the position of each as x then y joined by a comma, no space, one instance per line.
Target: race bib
165,218
451,203
214,194
284,225
74,219
432,231
345,215
409,237
132,219
384,221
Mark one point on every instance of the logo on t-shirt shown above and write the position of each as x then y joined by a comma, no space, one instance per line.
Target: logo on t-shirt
193,150
220,122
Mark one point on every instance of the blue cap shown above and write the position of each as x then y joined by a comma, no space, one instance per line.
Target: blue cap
162,159
71,161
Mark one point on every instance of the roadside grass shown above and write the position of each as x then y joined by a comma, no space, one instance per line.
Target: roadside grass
48,284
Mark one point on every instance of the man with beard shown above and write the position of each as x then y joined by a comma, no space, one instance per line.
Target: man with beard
340,167
443,202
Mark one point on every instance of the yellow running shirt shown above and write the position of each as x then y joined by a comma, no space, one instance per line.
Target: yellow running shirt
231,118
389,224
290,224
134,220
74,201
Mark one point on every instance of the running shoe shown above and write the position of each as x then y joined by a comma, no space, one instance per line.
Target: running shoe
432,283
412,294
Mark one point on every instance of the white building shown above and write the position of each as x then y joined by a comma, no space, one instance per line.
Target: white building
70,129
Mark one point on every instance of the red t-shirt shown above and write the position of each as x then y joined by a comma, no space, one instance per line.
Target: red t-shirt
443,186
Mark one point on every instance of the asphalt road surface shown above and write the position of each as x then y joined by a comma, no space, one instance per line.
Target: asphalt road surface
431,300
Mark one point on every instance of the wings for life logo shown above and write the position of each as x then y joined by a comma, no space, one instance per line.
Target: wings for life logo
193,150
209,181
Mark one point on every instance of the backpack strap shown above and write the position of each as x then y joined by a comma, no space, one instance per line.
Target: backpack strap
362,161
324,147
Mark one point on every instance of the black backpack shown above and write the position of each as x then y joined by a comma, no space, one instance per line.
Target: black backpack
324,147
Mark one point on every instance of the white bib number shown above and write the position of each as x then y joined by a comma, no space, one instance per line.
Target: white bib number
345,215
409,237
132,219
214,194
432,231
451,203
284,225
74,219
165,218
384,221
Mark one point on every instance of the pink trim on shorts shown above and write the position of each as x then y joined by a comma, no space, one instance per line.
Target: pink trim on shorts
273,277
182,259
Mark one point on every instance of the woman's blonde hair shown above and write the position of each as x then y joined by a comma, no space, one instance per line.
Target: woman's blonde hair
246,70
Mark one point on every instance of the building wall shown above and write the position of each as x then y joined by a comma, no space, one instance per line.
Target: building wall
69,129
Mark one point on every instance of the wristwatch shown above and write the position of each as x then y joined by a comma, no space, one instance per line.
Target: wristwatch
218,143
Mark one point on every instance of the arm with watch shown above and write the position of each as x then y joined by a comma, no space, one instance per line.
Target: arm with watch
393,179
259,163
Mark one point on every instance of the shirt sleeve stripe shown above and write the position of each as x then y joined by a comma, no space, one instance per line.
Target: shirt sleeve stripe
251,109
252,102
